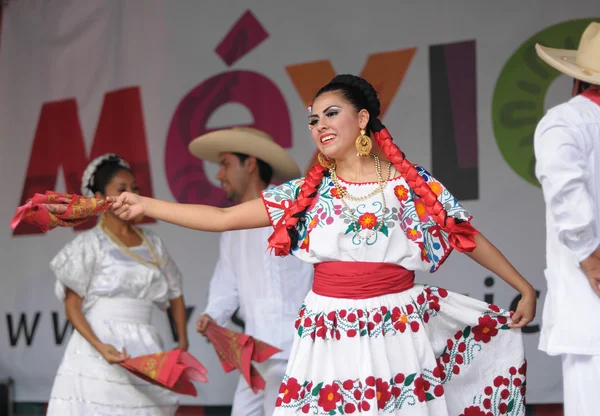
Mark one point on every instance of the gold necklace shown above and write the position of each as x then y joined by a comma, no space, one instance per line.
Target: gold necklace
380,189
154,262
380,183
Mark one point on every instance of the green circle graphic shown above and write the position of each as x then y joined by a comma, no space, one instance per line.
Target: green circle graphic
520,91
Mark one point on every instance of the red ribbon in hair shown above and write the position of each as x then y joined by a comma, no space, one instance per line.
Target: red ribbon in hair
461,236
279,241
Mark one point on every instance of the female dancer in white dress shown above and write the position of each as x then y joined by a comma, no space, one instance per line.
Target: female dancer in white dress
368,340
109,278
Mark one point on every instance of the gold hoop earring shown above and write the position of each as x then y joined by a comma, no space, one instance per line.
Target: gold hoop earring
326,162
363,144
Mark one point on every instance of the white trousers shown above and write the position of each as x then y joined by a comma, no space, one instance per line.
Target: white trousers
246,403
581,380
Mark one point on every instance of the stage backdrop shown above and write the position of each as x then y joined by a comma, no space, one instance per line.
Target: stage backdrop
461,90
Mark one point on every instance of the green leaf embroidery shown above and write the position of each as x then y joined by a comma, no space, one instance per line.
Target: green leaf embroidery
300,329
350,228
363,332
505,327
340,409
467,332
317,389
410,379
510,407
387,317
429,396
384,230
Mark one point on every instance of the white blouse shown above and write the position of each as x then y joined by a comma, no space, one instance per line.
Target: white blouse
92,266
400,231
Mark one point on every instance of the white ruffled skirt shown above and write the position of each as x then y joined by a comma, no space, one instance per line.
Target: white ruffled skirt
86,384
424,351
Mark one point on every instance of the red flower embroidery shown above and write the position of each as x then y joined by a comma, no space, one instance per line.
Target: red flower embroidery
349,408
474,411
494,308
383,393
401,193
290,390
335,193
413,234
329,396
485,330
421,386
399,319
322,332
367,220
523,369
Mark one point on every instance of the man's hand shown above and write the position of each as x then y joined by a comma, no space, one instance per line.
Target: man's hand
203,323
591,268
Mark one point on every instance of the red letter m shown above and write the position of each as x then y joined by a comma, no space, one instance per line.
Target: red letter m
59,142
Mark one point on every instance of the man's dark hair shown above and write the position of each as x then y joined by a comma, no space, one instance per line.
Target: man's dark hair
265,172
583,86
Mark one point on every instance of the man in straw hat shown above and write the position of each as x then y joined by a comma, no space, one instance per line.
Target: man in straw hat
268,290
567,149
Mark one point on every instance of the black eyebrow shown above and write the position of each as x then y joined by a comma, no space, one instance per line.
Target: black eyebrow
324,111
329,108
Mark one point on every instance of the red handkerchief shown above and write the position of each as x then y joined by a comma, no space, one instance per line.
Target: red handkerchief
77,209
237,351
172,370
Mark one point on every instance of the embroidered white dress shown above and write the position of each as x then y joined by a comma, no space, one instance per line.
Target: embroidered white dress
118,294
423,351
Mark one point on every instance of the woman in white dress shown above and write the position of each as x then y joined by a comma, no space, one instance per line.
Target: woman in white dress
368,340
110,278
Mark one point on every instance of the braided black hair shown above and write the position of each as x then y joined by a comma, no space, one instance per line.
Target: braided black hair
360,94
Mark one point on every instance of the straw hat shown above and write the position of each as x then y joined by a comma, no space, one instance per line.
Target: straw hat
247,141
583,63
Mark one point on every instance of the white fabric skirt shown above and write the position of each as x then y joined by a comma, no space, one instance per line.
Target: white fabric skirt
424,351
86,384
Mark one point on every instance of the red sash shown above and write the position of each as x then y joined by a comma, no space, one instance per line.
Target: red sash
360,280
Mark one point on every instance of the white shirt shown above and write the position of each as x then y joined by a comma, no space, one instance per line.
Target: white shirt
269,290
92,266
567,149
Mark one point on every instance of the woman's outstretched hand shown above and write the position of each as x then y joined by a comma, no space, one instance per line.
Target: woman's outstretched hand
127,206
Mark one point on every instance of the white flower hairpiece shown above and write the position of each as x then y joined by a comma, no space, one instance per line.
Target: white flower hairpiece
87,180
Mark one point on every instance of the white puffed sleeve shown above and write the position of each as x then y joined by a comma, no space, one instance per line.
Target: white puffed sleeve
74,264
